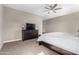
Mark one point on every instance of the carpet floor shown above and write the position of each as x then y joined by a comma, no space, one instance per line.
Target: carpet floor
28,47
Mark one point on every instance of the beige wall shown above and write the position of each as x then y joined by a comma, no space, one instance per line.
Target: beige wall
66,23
14,20
1,18
44,26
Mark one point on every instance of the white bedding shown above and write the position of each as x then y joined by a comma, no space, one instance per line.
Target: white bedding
67,41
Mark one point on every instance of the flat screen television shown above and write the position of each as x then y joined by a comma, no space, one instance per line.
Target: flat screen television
30,26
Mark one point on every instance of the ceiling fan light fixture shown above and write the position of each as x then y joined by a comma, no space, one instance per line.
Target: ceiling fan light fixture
52,8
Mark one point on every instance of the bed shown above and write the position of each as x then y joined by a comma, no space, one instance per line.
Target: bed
61,42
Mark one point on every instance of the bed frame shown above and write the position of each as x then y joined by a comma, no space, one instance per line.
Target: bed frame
56,49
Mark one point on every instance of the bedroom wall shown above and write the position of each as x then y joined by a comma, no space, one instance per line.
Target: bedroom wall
1,19
44,26
13,22
66,23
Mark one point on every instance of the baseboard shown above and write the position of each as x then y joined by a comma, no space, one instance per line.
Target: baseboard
11,40
8,42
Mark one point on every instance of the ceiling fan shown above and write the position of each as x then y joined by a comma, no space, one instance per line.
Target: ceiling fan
51,8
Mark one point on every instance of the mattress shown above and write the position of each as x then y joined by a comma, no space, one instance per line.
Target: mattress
66,41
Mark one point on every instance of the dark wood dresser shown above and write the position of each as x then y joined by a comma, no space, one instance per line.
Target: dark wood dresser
29,34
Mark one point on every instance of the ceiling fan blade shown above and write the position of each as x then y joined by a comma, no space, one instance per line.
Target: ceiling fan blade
51,7
48,12
57,8
46,8
54,11
54,5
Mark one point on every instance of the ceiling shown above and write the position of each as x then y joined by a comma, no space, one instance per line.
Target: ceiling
38,9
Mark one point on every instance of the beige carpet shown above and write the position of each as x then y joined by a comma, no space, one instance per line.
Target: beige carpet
28,47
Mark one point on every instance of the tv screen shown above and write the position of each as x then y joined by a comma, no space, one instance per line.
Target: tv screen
30,26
